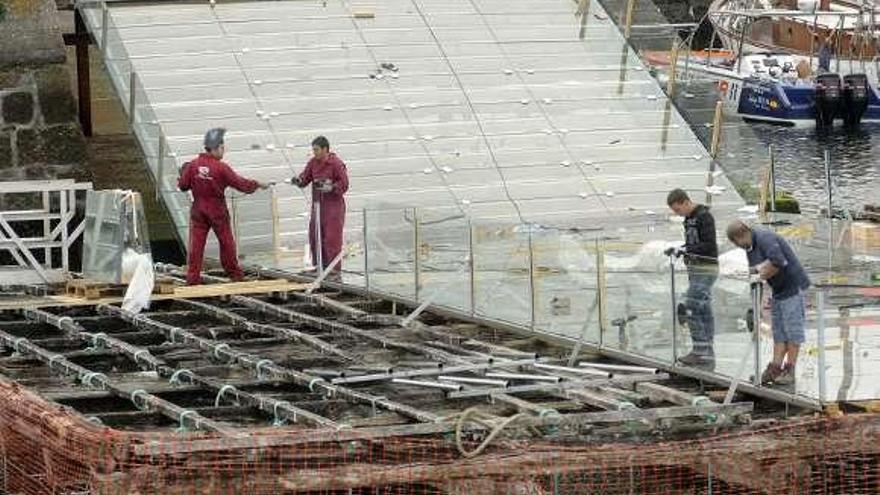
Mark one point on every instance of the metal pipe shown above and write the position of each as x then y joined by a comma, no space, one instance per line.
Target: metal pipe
419,383
574,371
820,337
160,168
430,369
601,290
533,309
518,376
828,183
319,248
618,367
756,322
472,269
132,96
417,262
772,178
674,311
473,381
105,24
366,233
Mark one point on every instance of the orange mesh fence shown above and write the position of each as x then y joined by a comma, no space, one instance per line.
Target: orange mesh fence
46,449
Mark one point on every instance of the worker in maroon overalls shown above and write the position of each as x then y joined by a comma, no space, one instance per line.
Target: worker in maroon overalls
329,179
208,177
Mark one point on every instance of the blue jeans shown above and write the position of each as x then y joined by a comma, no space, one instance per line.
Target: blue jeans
698,301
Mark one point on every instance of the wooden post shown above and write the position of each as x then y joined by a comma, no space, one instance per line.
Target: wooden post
673,64
714,148
83,76
630,10
602,288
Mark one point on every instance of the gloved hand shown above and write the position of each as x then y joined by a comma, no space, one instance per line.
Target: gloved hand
295,181
674,251
324,185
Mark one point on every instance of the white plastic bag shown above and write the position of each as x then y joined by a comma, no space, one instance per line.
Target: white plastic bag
138,270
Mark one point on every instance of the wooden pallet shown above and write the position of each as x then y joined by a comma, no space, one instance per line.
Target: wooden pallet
93,289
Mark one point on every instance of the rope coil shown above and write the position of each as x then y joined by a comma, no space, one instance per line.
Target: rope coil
220,393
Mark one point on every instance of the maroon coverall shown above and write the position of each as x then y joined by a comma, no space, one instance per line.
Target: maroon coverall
332,207
207,178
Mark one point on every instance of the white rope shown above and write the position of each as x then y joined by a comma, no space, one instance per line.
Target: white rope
175,377
182,417
259,366
134,395
219,348
88,377
278,420
220,393
16,343
52,360
138,353
312,383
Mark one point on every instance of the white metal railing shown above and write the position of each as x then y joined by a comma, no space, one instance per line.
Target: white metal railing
38,235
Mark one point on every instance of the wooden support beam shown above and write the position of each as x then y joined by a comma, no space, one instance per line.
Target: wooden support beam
565,421
267,367
599,399
58,363
661,393
264,329
142,357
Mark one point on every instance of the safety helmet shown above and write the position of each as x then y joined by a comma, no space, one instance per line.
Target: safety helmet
214,138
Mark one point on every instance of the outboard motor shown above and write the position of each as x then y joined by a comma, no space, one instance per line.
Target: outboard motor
828,97
855,98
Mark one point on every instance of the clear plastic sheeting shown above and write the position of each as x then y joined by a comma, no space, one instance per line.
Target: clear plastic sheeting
115,223
613,288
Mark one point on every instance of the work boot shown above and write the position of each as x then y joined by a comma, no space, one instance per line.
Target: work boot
770,374
695,359
786,376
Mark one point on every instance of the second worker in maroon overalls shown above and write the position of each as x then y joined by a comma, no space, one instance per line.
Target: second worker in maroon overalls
329,178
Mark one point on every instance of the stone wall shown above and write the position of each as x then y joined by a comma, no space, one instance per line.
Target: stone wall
40,137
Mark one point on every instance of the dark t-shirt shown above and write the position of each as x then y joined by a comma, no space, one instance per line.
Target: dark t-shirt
700,244
791,277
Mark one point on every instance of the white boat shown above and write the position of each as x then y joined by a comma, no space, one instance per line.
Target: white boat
797,26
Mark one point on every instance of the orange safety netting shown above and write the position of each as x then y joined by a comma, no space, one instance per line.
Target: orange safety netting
46,449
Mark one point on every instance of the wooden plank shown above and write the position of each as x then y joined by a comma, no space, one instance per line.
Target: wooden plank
661,393
562,421
181,292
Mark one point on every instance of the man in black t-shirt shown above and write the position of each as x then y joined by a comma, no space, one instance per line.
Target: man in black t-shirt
700,252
